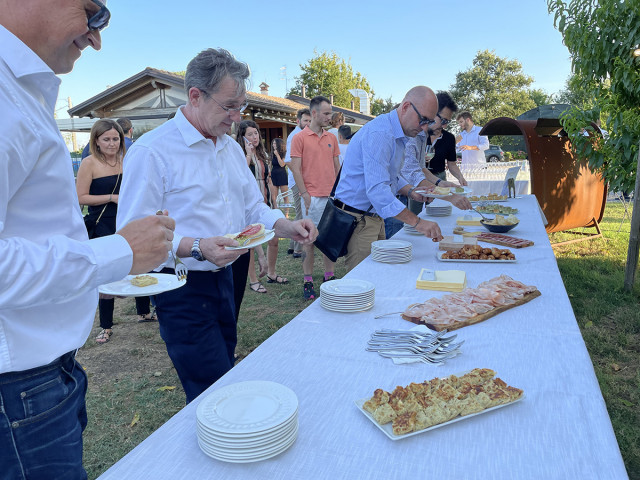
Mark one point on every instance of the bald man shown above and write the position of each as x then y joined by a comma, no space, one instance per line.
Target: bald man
370,180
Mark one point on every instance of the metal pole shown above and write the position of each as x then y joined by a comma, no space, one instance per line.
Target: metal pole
634,243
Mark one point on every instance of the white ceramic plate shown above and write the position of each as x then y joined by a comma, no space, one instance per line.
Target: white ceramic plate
247,407
268,235
348,287
388,430
439,257
467,191
124,288
391,245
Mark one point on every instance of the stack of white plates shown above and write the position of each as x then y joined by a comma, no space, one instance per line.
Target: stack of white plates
438,210
391,251
347,295
248,421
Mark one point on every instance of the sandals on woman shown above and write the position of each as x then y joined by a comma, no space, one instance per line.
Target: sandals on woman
257,287
278,279
104,335
149,317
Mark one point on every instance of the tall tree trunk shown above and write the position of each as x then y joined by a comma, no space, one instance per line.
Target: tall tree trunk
634,243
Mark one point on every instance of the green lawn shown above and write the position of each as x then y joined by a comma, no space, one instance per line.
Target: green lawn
128,406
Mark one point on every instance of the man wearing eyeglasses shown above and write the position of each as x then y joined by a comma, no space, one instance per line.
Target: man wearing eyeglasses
415,168
371,180
190,167
50,269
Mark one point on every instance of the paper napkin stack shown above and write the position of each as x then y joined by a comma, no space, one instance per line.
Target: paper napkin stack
445,281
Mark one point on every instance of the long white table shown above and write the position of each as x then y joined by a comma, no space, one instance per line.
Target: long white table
560,430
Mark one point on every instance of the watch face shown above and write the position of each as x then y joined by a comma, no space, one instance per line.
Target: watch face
197,254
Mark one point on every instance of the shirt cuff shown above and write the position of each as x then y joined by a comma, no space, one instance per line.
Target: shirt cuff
114,258
271,217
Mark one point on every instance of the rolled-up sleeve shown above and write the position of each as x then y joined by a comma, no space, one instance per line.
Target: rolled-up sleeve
411,169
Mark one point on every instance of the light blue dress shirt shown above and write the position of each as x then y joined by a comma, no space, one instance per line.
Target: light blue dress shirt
371,169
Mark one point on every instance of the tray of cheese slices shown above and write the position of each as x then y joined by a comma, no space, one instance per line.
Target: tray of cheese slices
422,407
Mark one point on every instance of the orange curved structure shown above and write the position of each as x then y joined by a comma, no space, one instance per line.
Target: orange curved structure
569,193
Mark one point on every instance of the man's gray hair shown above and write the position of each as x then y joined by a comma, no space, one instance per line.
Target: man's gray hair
209,68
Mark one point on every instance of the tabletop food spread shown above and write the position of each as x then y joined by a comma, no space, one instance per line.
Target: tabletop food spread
508,316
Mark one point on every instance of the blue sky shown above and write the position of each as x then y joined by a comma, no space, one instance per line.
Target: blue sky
396,45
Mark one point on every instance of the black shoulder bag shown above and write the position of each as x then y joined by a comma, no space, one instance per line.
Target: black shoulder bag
335,228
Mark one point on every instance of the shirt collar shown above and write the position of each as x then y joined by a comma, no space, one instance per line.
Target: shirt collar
19,57
26,65
190,134
396,127
310,132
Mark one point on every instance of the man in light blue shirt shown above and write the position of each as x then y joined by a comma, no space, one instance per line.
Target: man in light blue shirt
370,178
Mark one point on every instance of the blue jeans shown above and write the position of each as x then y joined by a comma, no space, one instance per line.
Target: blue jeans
42,417
391,225
198,325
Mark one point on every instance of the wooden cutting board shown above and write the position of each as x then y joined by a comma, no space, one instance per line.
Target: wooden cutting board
477,319
495,238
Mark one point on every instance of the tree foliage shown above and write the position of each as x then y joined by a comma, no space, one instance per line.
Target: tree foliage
601,36
380,106
493,87
540,97
328,74
575,94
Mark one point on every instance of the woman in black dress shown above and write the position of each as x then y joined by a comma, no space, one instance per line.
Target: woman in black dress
279,180
98,185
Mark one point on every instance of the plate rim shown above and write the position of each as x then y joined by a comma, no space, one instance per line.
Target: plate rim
143,291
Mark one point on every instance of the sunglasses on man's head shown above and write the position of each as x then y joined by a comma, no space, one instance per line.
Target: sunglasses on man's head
99,20
422,119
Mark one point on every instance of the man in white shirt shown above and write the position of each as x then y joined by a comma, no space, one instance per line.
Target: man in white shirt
303,119
190,167
470,142
50,269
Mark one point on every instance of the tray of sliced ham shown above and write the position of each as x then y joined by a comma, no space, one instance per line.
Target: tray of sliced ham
472,305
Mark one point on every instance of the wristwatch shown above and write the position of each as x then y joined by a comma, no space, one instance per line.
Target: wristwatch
438,181
196,252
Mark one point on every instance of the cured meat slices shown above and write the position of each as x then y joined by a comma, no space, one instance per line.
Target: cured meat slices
472,305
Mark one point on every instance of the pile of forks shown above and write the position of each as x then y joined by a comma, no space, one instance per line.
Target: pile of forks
426,347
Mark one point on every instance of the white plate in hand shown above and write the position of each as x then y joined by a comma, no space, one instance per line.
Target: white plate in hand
424,193
268,235
124,287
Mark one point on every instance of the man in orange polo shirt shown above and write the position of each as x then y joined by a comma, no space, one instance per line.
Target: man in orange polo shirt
315,164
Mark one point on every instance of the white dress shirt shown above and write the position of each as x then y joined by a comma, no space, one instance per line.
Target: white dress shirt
287,156
49,270
473,139
207,188
371,169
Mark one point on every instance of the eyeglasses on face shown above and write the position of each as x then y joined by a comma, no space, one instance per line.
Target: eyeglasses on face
443,121
422,119
100,19
229,110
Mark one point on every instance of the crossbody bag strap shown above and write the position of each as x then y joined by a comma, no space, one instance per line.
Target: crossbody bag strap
335,184
112,192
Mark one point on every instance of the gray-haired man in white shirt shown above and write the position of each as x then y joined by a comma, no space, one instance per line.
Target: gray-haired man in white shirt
192,168
50,269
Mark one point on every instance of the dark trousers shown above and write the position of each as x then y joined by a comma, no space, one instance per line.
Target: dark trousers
42,417
240,270
198,325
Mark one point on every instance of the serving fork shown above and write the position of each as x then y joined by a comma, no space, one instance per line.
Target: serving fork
179,267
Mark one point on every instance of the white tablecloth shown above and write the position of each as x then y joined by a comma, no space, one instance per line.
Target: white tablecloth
561,430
